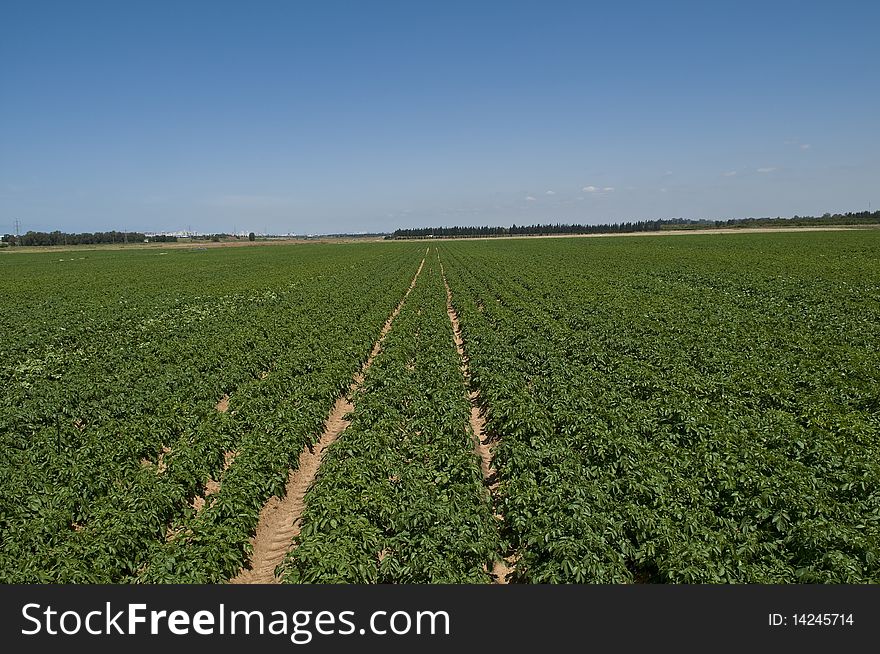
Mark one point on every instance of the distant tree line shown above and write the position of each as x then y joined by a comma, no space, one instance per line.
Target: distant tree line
32,238
849,218
857,218
94,238
532,230
63,238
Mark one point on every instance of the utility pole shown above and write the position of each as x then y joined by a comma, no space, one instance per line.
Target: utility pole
17,229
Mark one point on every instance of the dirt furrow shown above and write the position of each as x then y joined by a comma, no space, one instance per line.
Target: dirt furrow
280,516
501,569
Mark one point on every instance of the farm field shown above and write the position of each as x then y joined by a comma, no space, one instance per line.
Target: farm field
699,409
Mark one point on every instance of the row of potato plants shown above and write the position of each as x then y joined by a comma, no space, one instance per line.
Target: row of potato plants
109,421
688,410
399,497
106,365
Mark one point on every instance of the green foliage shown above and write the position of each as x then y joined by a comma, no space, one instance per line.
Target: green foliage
400,496
88,238
849,218
688,409
115,364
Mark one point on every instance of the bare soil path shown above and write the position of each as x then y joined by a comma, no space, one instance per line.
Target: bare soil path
280,517
502,568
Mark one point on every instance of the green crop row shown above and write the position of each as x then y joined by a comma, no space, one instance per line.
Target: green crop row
690,409
399,496
687,409
109,425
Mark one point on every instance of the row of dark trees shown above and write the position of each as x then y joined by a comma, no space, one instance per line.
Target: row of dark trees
857,218
84,238
94,238
850,218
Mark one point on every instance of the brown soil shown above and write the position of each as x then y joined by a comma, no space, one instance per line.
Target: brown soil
213,485
280,517
160,464
501,569
191,245
668,232
223,405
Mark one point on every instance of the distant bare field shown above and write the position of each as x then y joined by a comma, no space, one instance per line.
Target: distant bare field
669,232
367,239
186,244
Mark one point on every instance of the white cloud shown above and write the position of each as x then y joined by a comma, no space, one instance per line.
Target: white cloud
530,198
663,190
730,173
798,143
598,190
550,193
668,173
768,169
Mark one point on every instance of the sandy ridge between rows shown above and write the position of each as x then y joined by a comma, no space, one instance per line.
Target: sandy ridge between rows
280,517
502,568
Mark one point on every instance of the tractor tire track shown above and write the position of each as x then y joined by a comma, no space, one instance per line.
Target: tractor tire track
502,568
280,517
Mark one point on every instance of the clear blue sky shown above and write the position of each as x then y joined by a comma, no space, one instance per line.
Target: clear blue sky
353,116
